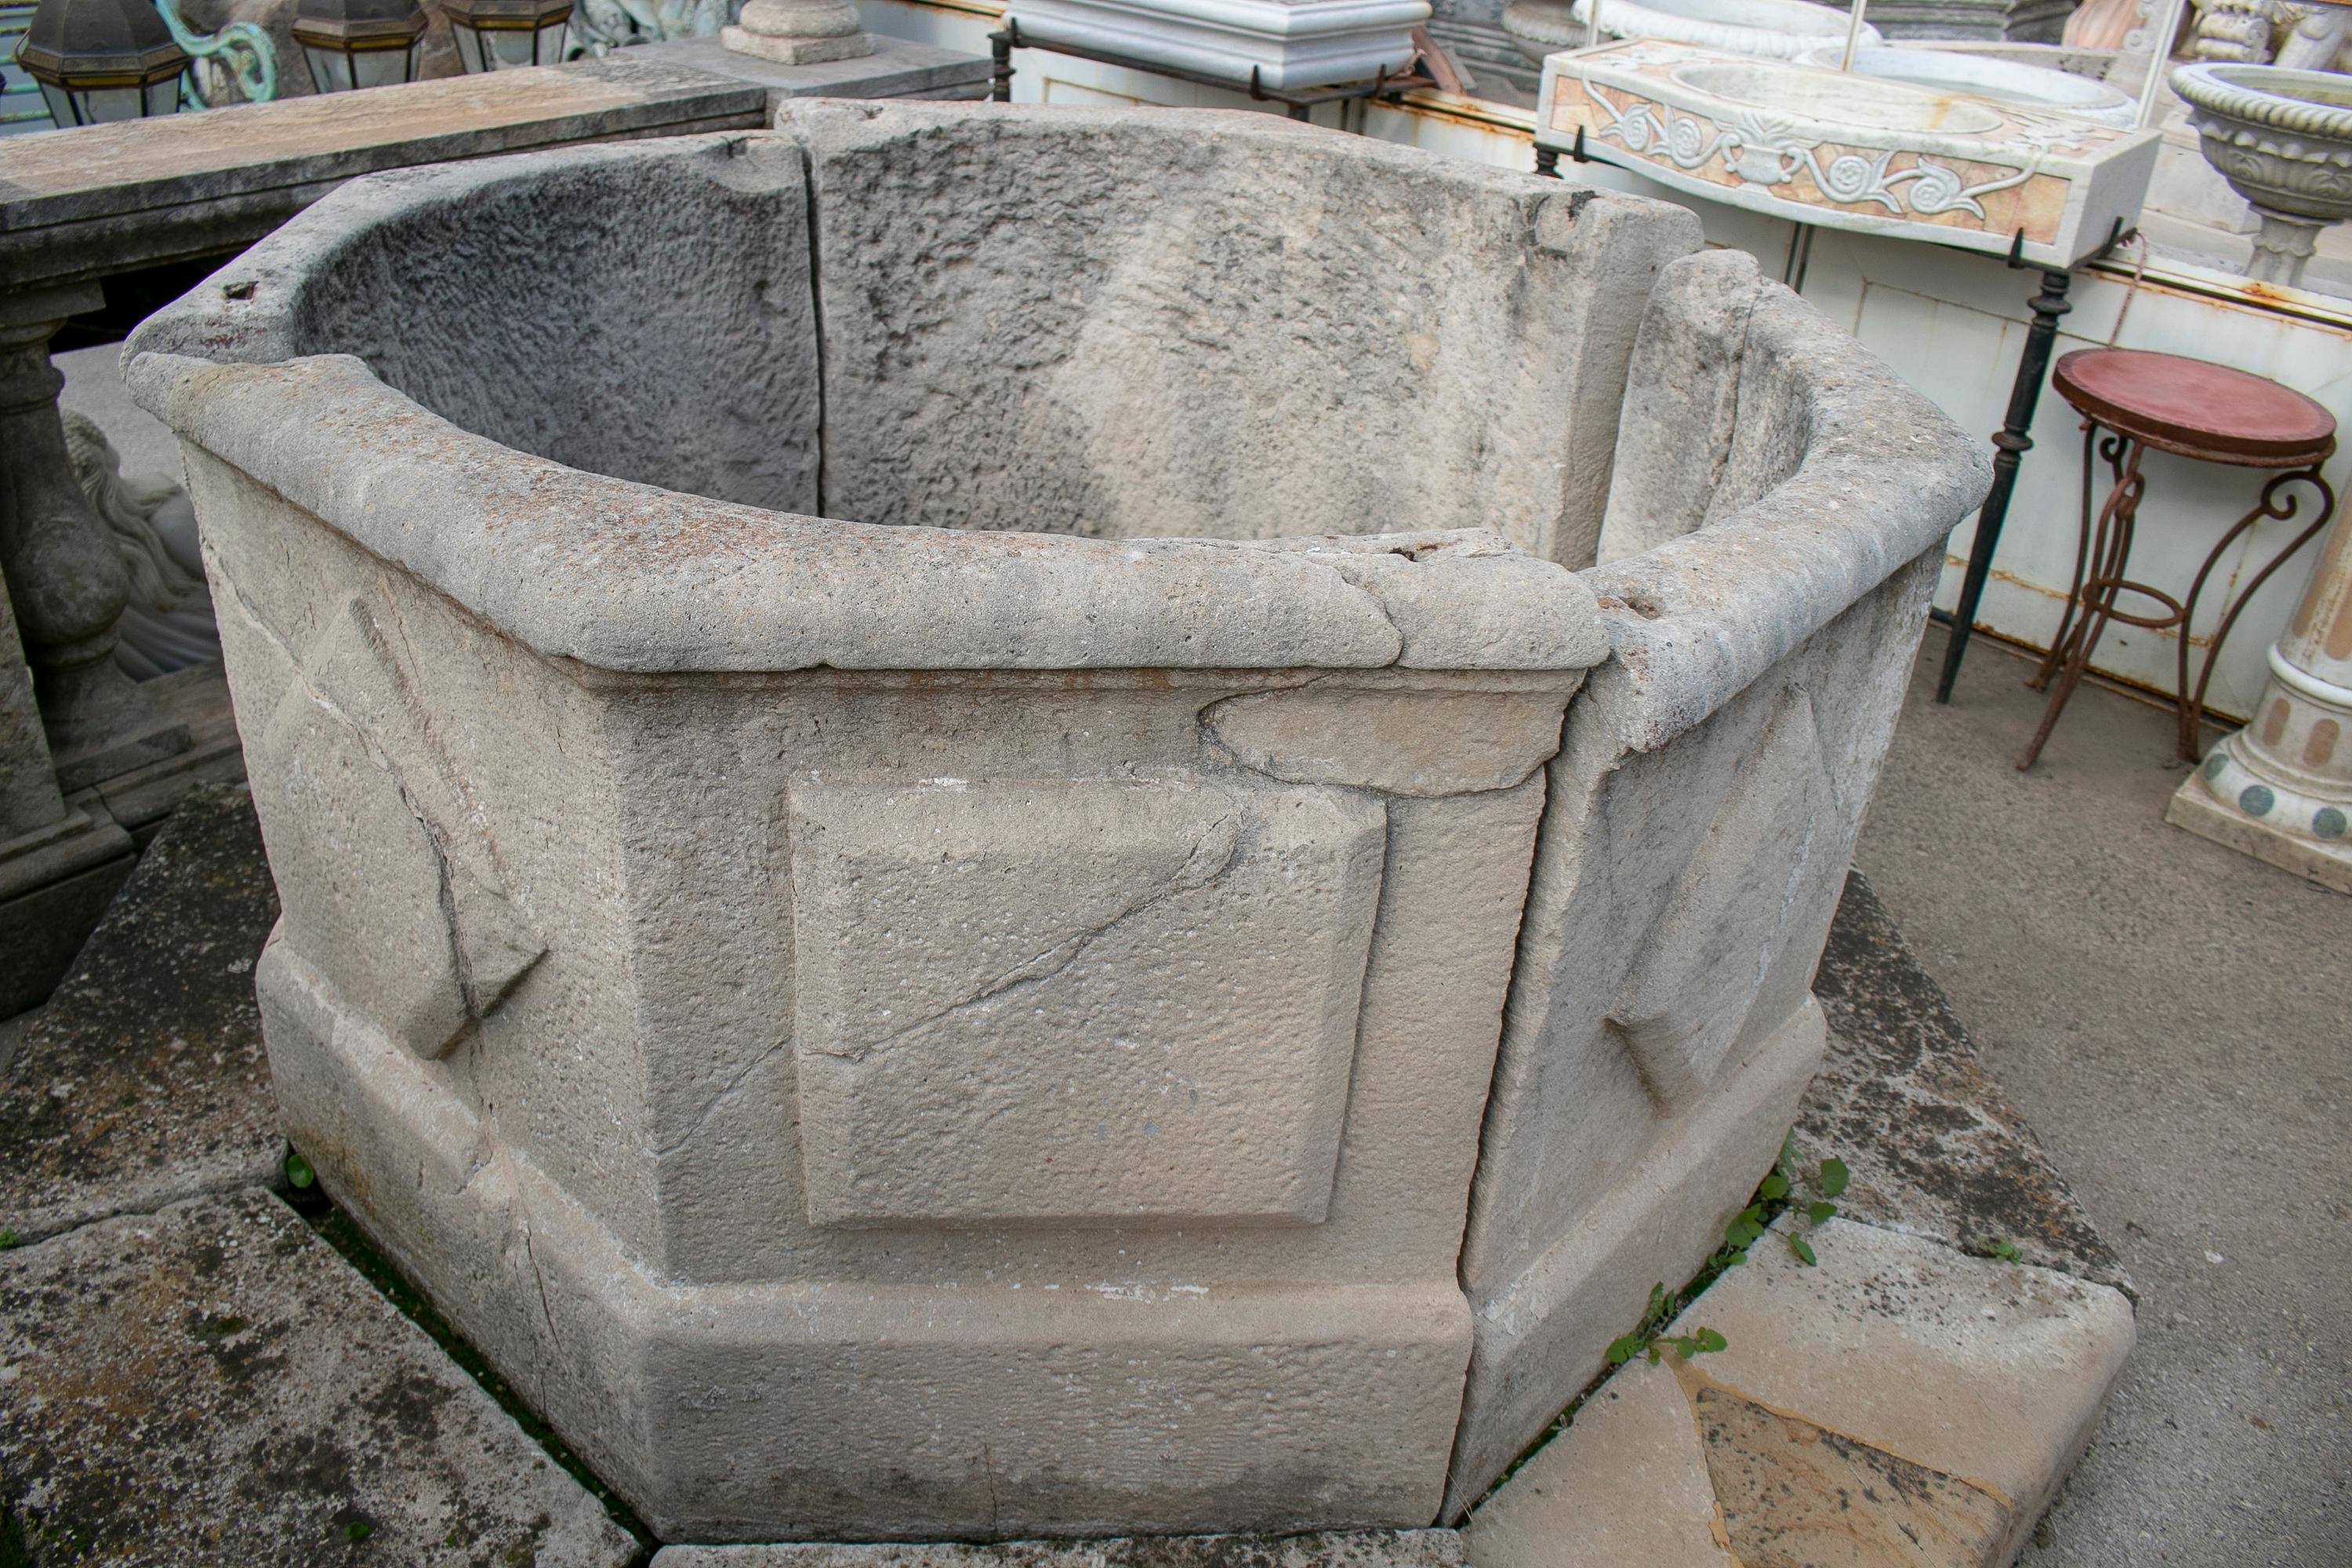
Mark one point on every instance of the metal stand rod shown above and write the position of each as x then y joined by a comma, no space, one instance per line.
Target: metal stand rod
2010,443
1000,69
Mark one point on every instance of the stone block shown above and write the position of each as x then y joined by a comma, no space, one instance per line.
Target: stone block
142,1082
56,881
928,918
211,1382
1326,1549
971,802
1934,1146
891,67
1625,1482
1899,1403
1706,794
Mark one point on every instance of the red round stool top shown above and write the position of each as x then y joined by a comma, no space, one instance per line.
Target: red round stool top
2197,409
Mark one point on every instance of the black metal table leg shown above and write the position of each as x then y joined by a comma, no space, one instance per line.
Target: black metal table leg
1000,71
2010,444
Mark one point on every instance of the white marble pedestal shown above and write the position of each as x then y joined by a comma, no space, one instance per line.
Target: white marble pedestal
2280,788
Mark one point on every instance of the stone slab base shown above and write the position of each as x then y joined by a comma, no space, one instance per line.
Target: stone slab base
142,1082
664,1388
1549,1335
1937,1148
212,1383
894,69
1322,1548
57,882
52,891
795,51
1899,1403
2194,808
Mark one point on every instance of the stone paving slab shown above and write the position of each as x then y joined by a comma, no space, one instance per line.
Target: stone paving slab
1936,1146
1321,1549
142,1080
1900,1403
213,1384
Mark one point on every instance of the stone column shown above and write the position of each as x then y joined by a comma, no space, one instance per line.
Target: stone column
66,582
2280,788
798,32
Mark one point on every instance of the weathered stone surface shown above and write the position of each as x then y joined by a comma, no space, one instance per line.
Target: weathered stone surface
1624,1484
1899,1403
1325,1548
1545,1335
1936,1147
975,1021
212,1383
1371,335
1724,849
930,917
142,1080
1984,1378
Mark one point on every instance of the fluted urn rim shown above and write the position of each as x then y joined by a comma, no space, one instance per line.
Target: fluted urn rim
2275,97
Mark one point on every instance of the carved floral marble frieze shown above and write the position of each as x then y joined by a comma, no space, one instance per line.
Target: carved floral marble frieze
1857,152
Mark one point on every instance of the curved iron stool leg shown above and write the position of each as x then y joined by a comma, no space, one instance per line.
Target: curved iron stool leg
2112,449
2109,554
2193,703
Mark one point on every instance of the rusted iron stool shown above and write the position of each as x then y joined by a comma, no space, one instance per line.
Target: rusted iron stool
2197,410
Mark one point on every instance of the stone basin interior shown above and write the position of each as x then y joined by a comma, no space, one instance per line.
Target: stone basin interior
1839,98
1239,339
2009,81
2329,88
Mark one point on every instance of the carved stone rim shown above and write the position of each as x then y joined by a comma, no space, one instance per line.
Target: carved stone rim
2265,96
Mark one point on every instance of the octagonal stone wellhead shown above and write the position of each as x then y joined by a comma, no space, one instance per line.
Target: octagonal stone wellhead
1037,821
2283,139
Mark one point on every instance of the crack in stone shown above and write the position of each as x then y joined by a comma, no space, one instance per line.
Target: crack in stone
741,1077
1196,872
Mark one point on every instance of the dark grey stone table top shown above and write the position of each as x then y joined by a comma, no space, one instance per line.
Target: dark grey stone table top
896,69
82,204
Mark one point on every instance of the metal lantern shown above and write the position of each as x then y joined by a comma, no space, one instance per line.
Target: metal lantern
102,60
360,43
493,34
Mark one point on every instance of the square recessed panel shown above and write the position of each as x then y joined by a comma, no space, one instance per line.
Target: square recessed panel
1089,1001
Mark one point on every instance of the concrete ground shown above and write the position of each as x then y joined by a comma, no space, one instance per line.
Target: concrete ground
2176,1022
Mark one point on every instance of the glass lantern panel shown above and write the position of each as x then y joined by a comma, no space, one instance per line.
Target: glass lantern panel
163,97
470,52
62,114
330,69
383,68
514,49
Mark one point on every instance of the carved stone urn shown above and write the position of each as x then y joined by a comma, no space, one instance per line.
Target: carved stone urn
2283,139
963,883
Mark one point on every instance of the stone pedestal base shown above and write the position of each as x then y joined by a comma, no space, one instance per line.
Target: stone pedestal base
2195,808
798,32
55,882
795,51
